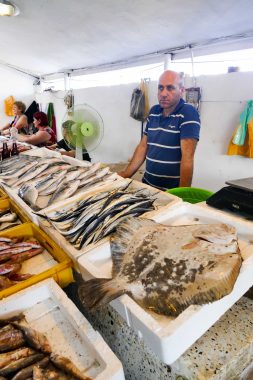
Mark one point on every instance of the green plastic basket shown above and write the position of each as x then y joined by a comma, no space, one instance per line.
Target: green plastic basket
191,194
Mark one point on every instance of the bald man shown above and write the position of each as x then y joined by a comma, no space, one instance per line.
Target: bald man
169,140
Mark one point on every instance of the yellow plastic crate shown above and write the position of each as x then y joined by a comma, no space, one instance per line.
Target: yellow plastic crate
61,272
10,204
3,194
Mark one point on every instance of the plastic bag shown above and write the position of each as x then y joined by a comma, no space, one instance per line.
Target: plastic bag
241,143
139,106
245,117
8,104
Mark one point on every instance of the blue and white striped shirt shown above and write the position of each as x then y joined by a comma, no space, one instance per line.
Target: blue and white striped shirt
163,137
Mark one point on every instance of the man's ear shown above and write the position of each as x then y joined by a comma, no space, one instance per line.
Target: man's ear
182,89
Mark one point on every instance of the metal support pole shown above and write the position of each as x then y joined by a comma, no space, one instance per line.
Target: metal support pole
167,61
193,73
66,82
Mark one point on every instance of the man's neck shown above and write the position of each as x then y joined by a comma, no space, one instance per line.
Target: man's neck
168,111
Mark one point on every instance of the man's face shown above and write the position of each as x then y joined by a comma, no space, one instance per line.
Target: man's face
169,90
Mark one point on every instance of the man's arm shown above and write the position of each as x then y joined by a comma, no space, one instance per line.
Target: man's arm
137,159
188,147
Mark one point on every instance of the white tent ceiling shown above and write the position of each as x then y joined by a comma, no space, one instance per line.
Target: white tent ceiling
51,36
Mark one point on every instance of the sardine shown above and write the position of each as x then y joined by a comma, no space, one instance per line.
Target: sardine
15,318
7,225
9,268
37,340
30,174
10,338
18,364
66,190
17,277
28,371
22,172
12,356
22,256
67,366
29,194
11,217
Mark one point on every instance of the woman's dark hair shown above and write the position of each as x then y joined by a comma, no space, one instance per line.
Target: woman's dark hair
42,117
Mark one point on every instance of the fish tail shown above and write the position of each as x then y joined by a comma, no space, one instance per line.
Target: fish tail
99,291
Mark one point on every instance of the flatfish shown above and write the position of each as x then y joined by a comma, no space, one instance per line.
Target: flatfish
167,268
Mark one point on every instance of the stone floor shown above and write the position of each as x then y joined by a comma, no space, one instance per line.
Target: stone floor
224,352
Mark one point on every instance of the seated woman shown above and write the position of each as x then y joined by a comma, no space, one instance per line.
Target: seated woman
20,120
45,135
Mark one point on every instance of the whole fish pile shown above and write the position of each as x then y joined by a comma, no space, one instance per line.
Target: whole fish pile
8,219
43,181
95,217
12,253
26,354
167,268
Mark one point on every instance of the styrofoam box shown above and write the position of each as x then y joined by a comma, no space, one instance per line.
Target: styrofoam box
238,215
163,201
169,337
48,310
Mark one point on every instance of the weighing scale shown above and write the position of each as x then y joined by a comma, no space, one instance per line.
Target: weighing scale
238,197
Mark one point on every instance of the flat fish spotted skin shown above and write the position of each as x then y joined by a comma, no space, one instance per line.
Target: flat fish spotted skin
167,268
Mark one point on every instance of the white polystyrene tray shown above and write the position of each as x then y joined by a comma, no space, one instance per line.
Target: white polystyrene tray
169,337
48,310
164,201
46,153
238,215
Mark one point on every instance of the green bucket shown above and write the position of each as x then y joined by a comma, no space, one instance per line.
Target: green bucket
191,194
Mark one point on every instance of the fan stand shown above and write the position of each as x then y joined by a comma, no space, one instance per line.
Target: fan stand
79,153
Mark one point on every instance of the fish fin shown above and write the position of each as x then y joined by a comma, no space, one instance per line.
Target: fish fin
99,291
119,241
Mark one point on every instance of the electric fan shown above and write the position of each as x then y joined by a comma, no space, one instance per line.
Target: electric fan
82,129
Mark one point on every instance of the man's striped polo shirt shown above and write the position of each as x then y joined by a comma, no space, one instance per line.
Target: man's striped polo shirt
163,136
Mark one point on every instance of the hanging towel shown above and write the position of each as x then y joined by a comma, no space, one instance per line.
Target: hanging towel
51,118
241,142
31,110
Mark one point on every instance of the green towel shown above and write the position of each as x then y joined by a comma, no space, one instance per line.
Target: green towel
245,117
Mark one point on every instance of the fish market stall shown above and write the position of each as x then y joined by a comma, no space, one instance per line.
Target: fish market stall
63,335
91,218
169,337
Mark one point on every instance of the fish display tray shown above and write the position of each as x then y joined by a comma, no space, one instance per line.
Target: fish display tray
46,153
52,262
163,201
7,203
170,337
48,310
3,194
